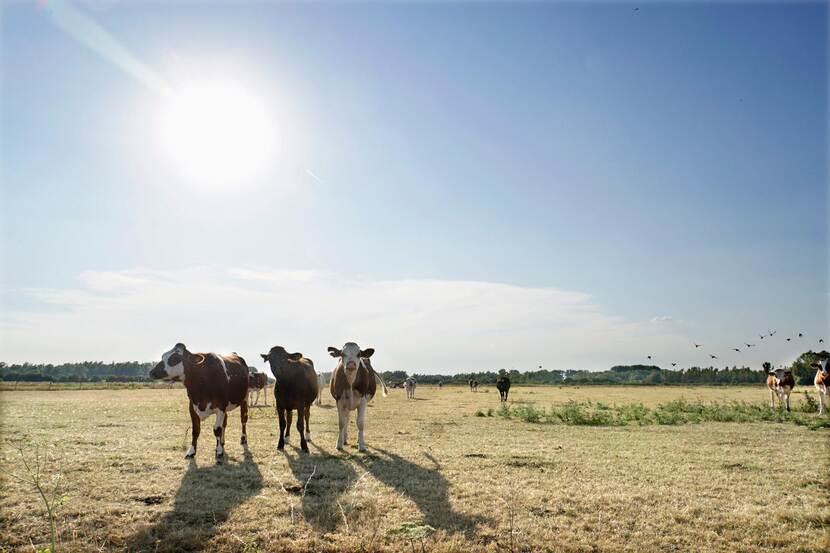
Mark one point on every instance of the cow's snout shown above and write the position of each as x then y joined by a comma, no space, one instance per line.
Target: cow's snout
158,371
351,365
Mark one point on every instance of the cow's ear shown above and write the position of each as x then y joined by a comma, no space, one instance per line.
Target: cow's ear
368,352
295,356
334,352
265,356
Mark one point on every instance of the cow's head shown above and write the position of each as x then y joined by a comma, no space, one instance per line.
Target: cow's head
171,366
351,357
821,365
278,358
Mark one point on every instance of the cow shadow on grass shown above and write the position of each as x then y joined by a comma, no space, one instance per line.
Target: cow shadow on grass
426,486
320,479
204,500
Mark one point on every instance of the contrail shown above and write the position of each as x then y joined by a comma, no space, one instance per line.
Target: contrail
313,176
86,31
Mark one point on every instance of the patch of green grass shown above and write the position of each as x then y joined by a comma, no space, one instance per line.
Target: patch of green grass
678,411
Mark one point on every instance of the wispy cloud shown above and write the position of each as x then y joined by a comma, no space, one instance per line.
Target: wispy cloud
420,324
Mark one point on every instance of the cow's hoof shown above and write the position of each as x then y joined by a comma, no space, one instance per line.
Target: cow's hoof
220,459
339,448
281,446
190,455
362,448
308,436
244,440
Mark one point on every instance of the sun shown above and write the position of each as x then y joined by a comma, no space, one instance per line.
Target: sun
217,134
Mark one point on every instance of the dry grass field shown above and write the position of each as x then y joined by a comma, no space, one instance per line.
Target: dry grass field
482,483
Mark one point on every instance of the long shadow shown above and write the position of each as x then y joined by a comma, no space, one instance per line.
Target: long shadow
427,487
205,498
333,474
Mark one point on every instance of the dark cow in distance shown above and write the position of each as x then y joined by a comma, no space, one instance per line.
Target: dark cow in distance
215,385
503,386
473,385
296,388
353,384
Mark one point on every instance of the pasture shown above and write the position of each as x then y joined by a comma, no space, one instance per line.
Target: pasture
437,477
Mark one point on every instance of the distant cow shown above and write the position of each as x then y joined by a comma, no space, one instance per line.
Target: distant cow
321,384
440,383
780,383
409,385
295,388
822,381
503,386
215,384
353,384
473,385
257,382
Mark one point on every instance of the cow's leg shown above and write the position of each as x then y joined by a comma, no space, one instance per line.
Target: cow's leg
343,422
307,418
243,414
787,399
219,432
196,427
301,430
361,419
289,418
821,394
281,417
771,399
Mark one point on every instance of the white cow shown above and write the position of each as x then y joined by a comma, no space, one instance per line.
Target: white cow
409,385
821,381
321,383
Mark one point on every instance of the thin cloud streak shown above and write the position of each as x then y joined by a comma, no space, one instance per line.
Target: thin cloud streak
426,325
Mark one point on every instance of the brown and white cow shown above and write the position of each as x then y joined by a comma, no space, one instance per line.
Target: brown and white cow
409,385
822,381
257,382
215,385
353,384
321,384
780,383
295,388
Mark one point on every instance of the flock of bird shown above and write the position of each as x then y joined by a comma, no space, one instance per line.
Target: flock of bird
769,334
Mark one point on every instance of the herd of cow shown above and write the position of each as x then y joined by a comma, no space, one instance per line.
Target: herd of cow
217,384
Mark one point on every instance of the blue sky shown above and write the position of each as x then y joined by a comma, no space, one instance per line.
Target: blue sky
466,185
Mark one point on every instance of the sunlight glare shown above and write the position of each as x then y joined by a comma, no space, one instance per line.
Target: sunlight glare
217,135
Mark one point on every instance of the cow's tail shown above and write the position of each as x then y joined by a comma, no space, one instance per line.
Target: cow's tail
383,389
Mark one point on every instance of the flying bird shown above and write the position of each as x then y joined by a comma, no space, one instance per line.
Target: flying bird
761,336
713,356
698,345
736,349
771,332
821,340
800,335
649,356
749,345
674,364
788,339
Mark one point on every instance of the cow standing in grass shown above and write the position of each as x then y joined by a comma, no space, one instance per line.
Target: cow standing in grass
780,383
321,384
353,385
822,380
257,382
409,385
295,388
216,384
503,386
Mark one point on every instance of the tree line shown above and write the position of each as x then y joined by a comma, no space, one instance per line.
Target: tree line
646,375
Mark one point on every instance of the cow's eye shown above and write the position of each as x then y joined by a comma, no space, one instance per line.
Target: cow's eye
174,359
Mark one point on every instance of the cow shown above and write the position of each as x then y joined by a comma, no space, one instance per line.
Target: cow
216,384
257,382
295,388
780,383
409,385
503,386
473,385
821,381
321,384
440,383
353,384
